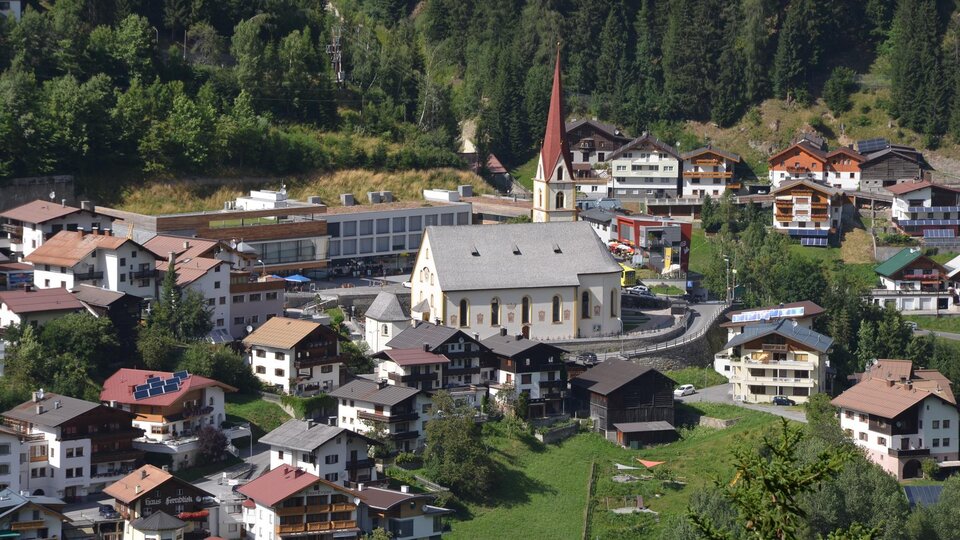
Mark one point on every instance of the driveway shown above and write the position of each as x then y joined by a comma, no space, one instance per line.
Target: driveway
722,394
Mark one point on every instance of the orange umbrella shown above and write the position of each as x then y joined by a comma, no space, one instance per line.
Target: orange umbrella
650,464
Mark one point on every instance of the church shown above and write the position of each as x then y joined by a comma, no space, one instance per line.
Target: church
554,186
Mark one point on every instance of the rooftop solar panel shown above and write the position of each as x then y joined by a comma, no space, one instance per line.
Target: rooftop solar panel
871,145
141,387
171,388
156,391
140,394
182,374
152,379
925,495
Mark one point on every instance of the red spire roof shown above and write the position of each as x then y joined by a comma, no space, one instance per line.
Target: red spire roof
554,140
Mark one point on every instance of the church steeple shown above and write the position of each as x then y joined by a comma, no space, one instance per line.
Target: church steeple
554,147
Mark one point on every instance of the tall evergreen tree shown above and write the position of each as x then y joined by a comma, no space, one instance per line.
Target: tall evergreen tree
685,81
613,49
917,93
647,83
759,18
798,51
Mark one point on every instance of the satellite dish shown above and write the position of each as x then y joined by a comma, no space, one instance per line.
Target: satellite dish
249,328
53,195
356,501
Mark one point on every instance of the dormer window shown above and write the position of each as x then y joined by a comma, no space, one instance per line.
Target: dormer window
560,173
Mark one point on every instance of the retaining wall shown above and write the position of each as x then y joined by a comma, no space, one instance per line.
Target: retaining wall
559,434
19,191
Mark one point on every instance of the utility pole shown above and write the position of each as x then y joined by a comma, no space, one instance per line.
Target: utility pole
727,296
335,50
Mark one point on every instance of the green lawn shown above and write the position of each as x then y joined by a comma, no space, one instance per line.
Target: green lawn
817,253
702,251
944,257
264,415
698,377
542,490
524,173
947,323
667,290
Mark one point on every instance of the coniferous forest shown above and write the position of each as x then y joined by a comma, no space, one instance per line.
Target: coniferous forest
187,86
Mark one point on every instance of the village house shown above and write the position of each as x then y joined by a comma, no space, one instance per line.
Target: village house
927,210
31,517
288,503
591,142
778,358
333,453
529,367
210,278
401,411
645,168
102,260
602,220
802,160
123,310
887,164
383,320
295,356
27,227
150,491
661,244
911,281
404,515
563,281
709,171
171,409
13,457
74,448
808,211
36,307
554,184
901,416
620,393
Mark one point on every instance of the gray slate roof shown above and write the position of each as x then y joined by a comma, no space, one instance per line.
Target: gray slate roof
158,521
95,296
638,427
610,375
786,328
386,308
597,215
370,392
509,346
532,254
298,435
52,416
414,337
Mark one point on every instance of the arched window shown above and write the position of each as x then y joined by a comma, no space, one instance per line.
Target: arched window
585,305
431,302
557,309
431,279
464,313
495,312
525,310
540,198
385,330
560,199
613,302
559,173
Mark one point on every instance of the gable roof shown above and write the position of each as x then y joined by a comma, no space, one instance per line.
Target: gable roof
642,139
190,270
69,248
896,263
711,150
385,499
816,186
434,335
52,414
386,308
119,387
804,146
36,300
611,130
413,357
889,368
908,155
847,152
597,215
141,482
510,346
39,211
908,187
786,328
281,333
97,296
280,483
362,389
550,254
157,521
609,375
162,244
886,398
305,436
554,147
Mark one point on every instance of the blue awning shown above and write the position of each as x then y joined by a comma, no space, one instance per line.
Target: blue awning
297,278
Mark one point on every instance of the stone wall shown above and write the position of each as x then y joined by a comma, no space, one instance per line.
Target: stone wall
708,421
19,191
559,434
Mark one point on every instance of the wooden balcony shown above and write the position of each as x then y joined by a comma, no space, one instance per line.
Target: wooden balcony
774,347
15,231
27,525
344,507
708,174
404,416
290,510
797,170
87,276
316,527
35,459
708,162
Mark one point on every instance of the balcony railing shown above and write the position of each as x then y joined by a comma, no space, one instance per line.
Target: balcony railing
552,384
797,170
144,274
792,381
87,276
16,231
417,377
450,371
895,452
708,174
361,464
393,417
405,435
774,347
26,525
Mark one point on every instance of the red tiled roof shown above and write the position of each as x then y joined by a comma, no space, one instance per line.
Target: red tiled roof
39,211
849,152
280,483
803,145
886,398
68,248
494,165
190,270
186,248
907,187
32,301
415,357
554,147
119,387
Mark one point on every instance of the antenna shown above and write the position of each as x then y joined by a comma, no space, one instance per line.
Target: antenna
53,195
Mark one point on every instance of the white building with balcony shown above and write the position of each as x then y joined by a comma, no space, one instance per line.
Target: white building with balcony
295,356
709,171
402,411
808,211
645,168
900,416
334,453
779,358
31,517
26,227
911,281
171,409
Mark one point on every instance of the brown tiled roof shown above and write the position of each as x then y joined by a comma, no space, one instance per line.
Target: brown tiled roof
608,376
810,184
415,357
711,150
848,152
282,482
907,187
32,301
888,368
161,245
804,145
886,398
39,211
190,270
95,296
137,484
385,499
281,333
68,248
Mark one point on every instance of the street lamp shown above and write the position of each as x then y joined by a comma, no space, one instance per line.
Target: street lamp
620,320
727,297
263,268
733,294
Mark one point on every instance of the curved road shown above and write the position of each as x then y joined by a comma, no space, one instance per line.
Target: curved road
703,315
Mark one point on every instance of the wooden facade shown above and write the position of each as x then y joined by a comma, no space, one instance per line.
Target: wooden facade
887,169
646,398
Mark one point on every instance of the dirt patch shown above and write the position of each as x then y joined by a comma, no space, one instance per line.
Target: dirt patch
857,247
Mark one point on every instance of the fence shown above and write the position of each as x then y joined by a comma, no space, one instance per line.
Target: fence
683,340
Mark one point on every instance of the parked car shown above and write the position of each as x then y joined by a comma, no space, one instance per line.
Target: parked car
635,292
587,358
684,390
108,512
783,400
640,287
911,325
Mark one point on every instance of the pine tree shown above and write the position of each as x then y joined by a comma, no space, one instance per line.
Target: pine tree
685,80
613,47
754,43
917,93
797,50
645,88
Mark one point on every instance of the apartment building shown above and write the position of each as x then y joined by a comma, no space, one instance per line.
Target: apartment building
780,358
645,168
404,515
402,411
901,416
289,503
808,211
709,171
926,210
802,160
210,278
661,244
295,356
31,517
911,281
170,408
13,456
74,448
150,491
803,313
333,453
529,367
591,142
26,227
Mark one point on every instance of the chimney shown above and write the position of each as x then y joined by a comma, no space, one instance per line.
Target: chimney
171,260
186,244
890,382
86,205
310,423
137,489
476,336
426,347
143,474
903,380
165,468
40,409
360,487
519,337
28,287
404,489
95,231
503,331
63,203
909,385
57,404
382,383
346,199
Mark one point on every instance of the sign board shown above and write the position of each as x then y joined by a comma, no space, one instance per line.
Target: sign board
767,314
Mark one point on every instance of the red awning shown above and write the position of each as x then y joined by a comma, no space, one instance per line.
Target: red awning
193,515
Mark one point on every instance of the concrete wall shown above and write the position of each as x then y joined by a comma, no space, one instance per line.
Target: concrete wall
20,191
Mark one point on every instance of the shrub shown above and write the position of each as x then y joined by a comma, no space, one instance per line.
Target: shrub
837,90
407,458
931,469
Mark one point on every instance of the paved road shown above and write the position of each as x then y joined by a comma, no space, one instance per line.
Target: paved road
944,335
722,394
702,313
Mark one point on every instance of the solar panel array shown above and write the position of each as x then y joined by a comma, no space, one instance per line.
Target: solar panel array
817,242
808,232
872,145
925,495
922,222
939,233
157,386
918,209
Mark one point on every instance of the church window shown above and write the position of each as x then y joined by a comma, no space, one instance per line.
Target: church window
557,305
464,313
495,312
560,201
585,305
613,302
525,310
560,173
